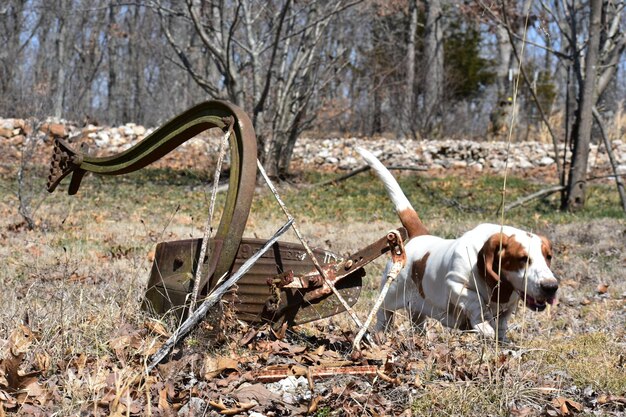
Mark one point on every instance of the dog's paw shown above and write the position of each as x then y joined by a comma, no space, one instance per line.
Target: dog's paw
485,329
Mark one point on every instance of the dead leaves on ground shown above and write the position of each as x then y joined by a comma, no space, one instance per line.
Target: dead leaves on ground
18,386
259,374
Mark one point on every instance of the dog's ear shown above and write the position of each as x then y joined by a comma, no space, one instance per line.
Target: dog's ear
546,250
487,262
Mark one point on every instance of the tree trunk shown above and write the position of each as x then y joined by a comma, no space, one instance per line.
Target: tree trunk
576,186
60,49
409,102
433,89
112,74
500,115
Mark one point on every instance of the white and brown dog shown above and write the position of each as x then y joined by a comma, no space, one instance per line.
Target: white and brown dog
469,282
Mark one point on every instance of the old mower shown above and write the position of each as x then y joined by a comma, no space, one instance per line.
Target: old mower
283,287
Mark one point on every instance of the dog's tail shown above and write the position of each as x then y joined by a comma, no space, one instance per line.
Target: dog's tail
408,216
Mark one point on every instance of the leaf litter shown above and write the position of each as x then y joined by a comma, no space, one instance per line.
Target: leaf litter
263,376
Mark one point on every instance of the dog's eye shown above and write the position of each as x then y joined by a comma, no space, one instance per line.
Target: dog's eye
549,257
523,259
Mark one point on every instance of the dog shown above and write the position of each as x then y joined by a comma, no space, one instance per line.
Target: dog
473,282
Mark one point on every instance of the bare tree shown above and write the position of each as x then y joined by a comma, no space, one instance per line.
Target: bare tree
434,70
269,58
409,104
575,193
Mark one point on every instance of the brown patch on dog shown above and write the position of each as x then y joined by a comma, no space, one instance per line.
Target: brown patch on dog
500,252
514,256
417,274
411,220
546,250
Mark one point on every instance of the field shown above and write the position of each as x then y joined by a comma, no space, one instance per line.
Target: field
71,317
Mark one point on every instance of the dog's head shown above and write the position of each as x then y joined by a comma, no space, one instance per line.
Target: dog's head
520,262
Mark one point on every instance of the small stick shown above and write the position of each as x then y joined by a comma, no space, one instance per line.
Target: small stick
364,169
308,250
314,372
207,227
540,193
213,298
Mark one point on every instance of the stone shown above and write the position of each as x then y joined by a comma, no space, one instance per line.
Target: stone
139,130
55,129
195,407
17,140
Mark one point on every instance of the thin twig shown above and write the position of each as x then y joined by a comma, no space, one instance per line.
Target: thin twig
308,250
207,227
213,298
609,151
506,166
540,193
364,169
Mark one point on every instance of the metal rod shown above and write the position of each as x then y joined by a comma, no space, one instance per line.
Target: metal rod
399,260
206,236
213,298
308,250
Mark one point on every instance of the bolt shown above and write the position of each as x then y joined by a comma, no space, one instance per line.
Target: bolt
349,264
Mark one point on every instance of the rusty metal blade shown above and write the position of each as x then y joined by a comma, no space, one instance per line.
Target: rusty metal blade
255,300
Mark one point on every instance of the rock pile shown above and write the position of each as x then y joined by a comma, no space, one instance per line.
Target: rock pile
444,154
325,154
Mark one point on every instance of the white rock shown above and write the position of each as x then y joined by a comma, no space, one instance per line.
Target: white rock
127,130
139,130
102,139
476,167
348,162
291,389
497,164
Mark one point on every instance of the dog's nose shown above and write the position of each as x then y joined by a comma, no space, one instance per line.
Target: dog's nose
549,286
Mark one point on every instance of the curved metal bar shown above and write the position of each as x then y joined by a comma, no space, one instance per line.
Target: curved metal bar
204,116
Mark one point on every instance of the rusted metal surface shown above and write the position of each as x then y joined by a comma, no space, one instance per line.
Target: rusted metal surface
278,372
358,260
211,114
256,299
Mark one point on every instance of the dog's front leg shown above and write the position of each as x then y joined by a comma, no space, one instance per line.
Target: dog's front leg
480,318
485,329
503,325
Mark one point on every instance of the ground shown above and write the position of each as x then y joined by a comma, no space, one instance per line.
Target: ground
71,319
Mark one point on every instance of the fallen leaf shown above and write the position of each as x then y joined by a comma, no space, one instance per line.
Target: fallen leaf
24,384
248,393
157,327
566,406
213,366
314,403
602,288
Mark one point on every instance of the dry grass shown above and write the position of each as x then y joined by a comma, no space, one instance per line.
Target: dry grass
80,275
